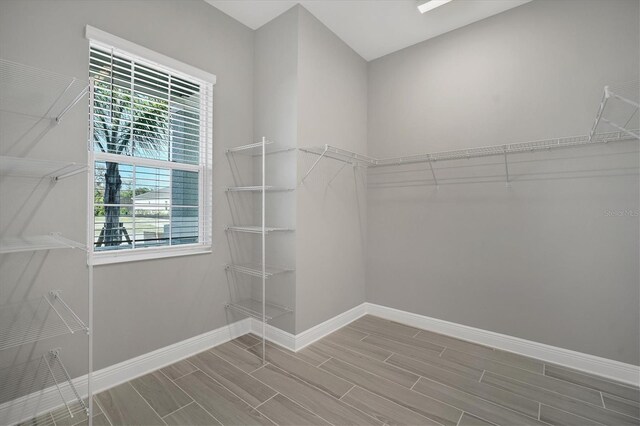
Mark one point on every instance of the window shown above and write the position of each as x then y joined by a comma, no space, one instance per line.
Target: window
151,154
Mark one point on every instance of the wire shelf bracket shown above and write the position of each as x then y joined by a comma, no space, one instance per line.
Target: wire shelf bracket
37,168
616,93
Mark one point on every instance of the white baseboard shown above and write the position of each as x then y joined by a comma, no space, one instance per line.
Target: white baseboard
49,399
591,364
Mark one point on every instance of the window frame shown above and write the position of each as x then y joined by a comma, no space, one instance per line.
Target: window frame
116,45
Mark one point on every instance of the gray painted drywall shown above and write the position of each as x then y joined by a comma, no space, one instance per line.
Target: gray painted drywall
547,259
331,214
139,306
276,117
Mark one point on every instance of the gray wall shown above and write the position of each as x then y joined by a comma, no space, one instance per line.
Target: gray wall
276,117
146,305
331,214
543,259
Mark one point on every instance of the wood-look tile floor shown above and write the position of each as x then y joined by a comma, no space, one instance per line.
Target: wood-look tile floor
371,372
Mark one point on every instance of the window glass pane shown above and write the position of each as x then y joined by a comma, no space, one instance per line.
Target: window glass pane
152,226
184,187
184,225
113,227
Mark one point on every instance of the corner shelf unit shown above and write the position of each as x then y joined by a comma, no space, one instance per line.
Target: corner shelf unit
260,310
42,382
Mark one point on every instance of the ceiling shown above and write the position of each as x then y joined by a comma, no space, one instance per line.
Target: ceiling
373,28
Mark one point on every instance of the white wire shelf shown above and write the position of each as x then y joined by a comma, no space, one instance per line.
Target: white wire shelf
504,151
256,229
30,379
52,241
38,93
255,270
37,319
37,168
248,149
259,189
253,308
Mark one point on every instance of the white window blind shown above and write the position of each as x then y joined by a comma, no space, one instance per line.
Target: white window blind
152,155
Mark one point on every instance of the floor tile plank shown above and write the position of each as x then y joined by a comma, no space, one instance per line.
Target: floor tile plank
593,382
178,369
124,406
553,416
333,385
546,382
161,393
469,404
226,407
424,356
285,412
239,357
311,398
469,420
383,409
237,381
358,345
246,340
192,414
423,405
558,401
370,324
621,405
472,386
390,372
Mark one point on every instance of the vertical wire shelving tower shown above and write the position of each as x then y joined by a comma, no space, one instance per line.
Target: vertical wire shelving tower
41,383
261,310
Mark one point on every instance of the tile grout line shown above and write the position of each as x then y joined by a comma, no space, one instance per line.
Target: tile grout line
602,398
314,387
180,408
206,411
475,396
327,360
145,400
482,375
266,400
95,401
253,371
350,389
460,419
539,409
414,336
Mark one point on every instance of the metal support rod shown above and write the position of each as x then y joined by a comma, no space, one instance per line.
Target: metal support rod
90,237
506,164
603,103
336,175
58,313
53,376
622,129
433,173
264,257
326,148
71,105
69,174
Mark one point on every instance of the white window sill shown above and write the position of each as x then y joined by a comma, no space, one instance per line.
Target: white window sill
107,258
